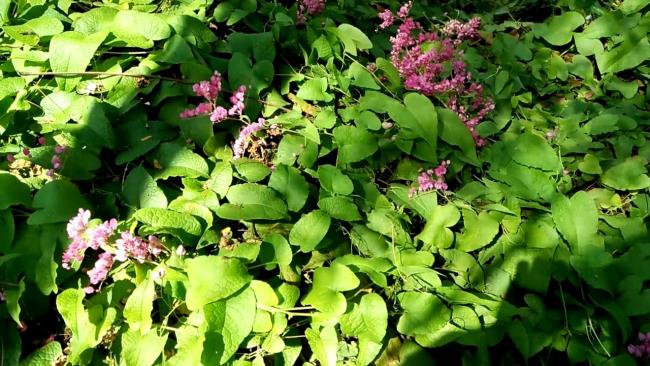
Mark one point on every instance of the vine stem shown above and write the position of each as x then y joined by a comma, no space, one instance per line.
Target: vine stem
102,73
272,309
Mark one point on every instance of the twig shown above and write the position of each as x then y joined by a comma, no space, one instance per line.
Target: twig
102,73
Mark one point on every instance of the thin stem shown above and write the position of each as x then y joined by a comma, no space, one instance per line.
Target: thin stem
272,309
102,73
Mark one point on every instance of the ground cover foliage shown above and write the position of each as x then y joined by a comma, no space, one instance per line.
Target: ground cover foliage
251,182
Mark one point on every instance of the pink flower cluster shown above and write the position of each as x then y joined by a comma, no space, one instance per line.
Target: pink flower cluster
432,179
209,90
387,17
310,7
460,31
127,246
240,145
57,162
643,349
433,64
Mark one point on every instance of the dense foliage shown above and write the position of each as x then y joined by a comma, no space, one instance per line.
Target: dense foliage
249,182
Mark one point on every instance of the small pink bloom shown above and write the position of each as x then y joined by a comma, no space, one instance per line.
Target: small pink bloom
219,114
41,141
59,149
387,19
101,269
11,158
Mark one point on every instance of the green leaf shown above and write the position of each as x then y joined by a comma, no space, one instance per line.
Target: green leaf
95,20
632,6
341,208
323,345
334,181
45,26
71,52
291,184
222,11
251,170
176,51
630,174
387,222
45,274
360,41
633,51
423,314
577,220
139,306
227,323
203,286
220,178
367,320
452,131
604,123
140,190
56,201
534,151
426,119
361,77
590,165
354,144
149,26
368,242
275,250
328,284
86,334
178,161
12,299
46,355
368,120
559,30
309,230
250,201
480,230
14,192
161,218
314,89
138,349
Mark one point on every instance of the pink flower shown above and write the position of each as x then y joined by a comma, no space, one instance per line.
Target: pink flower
311,7
130,245
77,225
59,149
405,9
239,146
155,245
11,158
441,170
101,268
208,89
462,31
27,153
387,19
433,66
99,235
219,114
76,228
237,100
432,179
41,141
56,162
